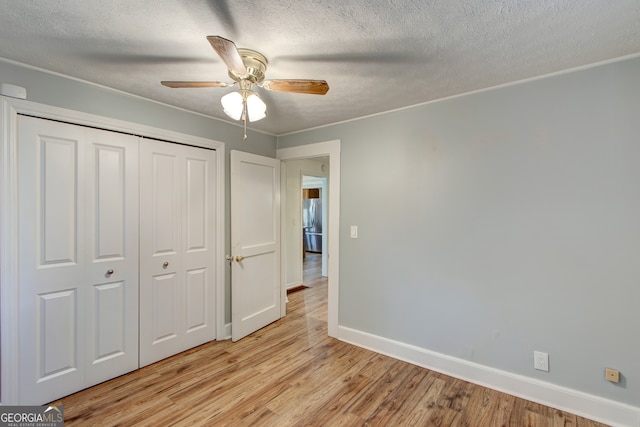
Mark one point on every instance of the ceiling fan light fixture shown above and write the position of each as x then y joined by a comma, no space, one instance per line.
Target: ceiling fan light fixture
233,105
236,103
256,108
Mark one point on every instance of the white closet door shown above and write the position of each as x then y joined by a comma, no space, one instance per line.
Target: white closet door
177,299
111,216
77,323
198,228
51,260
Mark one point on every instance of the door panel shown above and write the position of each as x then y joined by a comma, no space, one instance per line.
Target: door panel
256,208
57,165
199,246
165,304
262,297
196,207
177,249
255,236
196,295
57,324
110,321
111,199
165,203
51,261
78,210
160,260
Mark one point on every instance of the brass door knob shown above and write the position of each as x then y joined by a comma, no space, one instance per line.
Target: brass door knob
239,258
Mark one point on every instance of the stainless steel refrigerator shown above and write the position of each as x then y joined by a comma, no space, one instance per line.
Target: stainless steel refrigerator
312,225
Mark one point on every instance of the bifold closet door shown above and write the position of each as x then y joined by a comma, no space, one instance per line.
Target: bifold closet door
78,257
113,255
177,248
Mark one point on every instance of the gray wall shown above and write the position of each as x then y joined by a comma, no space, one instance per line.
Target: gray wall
499,223
51,89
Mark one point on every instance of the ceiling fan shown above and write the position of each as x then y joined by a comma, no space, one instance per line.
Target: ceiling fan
247,69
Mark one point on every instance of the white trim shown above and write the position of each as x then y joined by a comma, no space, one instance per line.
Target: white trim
226,335
332,149
472,92
284,299
107,123
517,82
9,110
220,262
292,285
128,94
8,254
563,398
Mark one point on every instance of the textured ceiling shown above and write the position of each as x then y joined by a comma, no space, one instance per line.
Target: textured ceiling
376,55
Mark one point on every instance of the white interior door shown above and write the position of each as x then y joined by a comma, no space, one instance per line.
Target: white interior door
256,293
112,255
78,289
177,248
52,259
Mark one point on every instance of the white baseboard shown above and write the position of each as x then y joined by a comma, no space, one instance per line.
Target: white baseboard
292,285
227,333
563,398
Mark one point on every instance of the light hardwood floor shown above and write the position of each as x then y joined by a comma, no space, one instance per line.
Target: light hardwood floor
292,374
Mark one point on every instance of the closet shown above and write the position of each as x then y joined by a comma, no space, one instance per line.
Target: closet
177,185
115,240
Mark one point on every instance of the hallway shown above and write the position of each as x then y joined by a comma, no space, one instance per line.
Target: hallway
312,270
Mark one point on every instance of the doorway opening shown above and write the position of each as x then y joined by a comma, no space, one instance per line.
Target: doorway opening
314,220
325,154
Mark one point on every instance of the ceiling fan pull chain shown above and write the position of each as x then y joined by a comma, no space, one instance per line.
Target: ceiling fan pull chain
244,115
244,119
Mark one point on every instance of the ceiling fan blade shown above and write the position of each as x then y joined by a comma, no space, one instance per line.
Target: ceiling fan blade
229,54
176,84
313,87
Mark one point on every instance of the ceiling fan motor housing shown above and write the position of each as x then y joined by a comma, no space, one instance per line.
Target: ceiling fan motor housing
255,63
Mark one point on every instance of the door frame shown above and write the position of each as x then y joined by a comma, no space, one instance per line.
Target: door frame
331,149
9,110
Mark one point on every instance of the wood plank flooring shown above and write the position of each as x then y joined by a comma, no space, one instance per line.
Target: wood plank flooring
292,374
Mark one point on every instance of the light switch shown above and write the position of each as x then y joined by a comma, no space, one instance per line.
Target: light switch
354,231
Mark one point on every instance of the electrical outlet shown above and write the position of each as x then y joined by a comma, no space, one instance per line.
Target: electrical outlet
612,375
541,361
